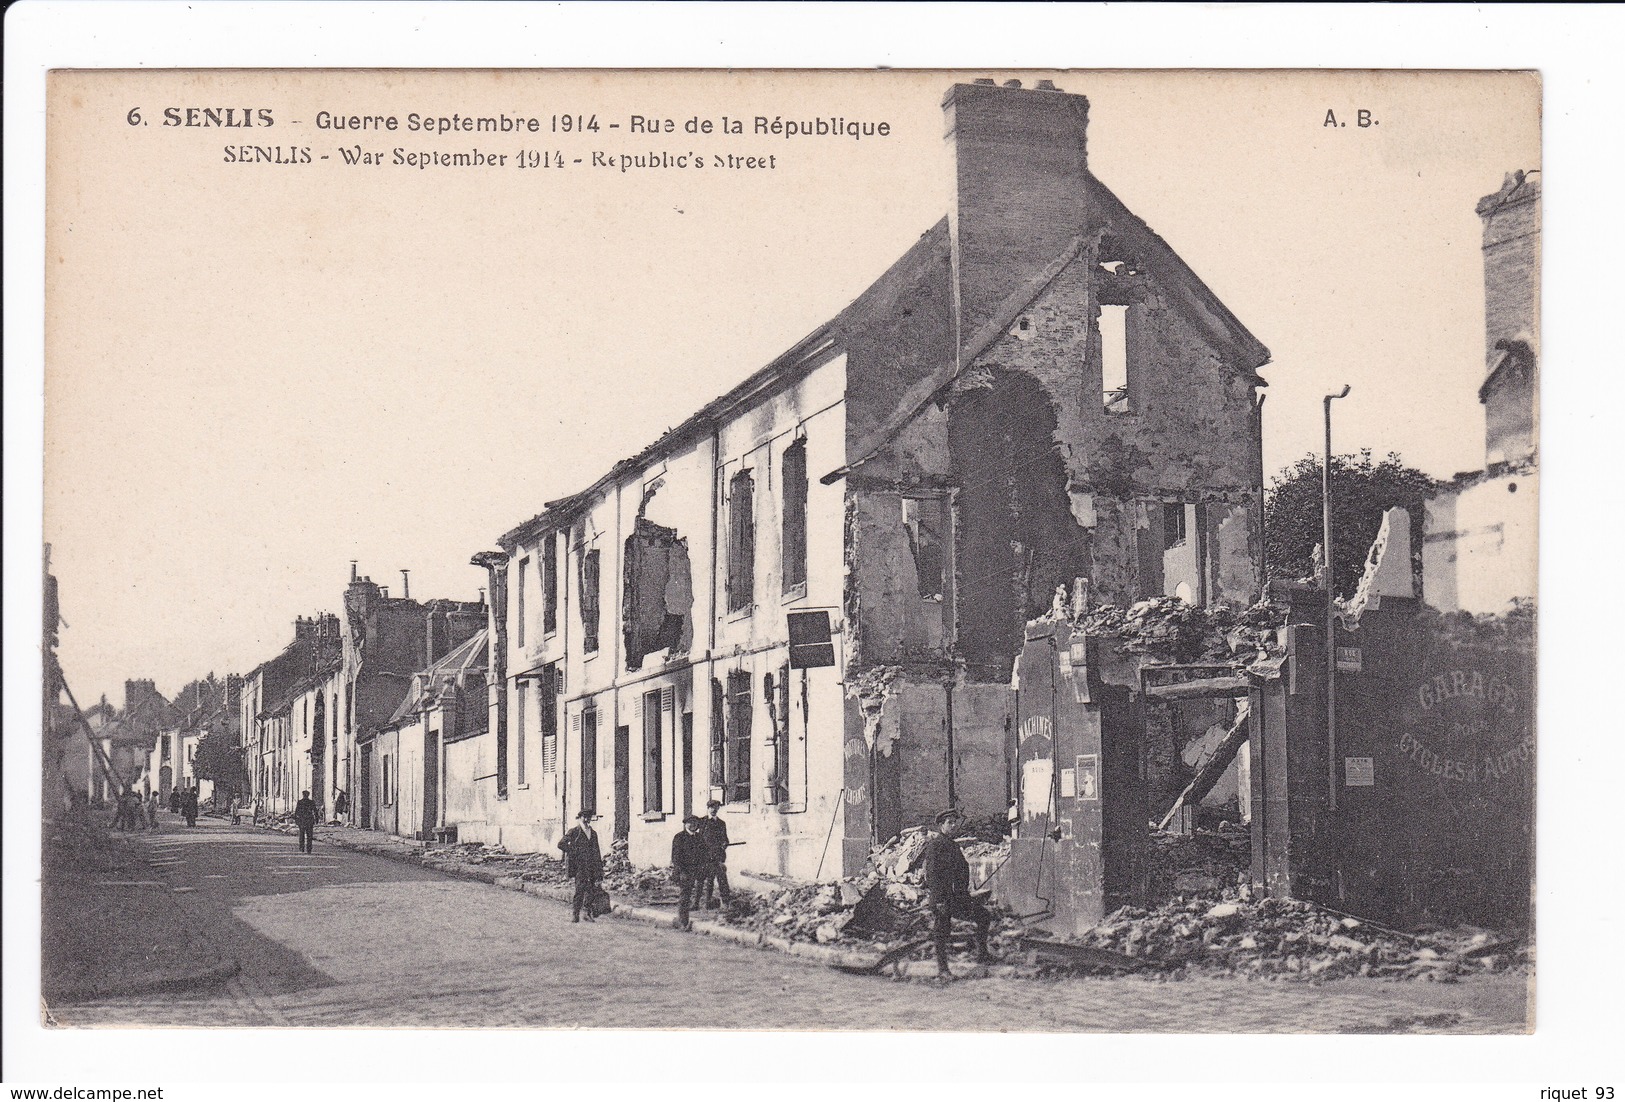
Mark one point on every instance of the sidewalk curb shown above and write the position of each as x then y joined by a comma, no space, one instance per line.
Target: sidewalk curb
822,954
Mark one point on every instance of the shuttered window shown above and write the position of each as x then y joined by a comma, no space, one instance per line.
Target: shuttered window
740,707
741,542
589,601
794,543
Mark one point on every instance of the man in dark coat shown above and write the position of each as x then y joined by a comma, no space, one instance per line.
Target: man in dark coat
947,885
583,862
714,829
304,817
189,807
690,862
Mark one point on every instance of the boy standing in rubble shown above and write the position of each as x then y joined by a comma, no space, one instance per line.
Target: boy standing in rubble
947,884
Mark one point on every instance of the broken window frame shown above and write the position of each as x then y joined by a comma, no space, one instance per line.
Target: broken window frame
736,759
741,580
591,580
1114,342
793,545
931,579
1175,530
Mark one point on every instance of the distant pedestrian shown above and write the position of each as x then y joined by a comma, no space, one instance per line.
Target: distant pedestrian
152,811
583,862
174,801
947,884
127,809
690,862
189,806
341,805
304,817
714,829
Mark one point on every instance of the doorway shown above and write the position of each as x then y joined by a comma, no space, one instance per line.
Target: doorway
623,782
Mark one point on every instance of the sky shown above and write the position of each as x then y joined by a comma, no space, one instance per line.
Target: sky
256,373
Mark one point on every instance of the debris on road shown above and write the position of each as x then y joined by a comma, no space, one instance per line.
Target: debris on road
1286,938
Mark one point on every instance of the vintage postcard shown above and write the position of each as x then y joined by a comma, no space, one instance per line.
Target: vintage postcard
847,550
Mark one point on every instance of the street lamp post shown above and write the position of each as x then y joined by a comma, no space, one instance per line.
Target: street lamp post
1331,622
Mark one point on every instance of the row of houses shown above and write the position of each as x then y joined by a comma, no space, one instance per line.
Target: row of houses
150,744
806,600
1040,390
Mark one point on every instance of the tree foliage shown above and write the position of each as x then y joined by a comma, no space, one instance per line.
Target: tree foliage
1362,490
220,759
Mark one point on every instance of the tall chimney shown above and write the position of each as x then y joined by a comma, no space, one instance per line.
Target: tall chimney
406,584
1020,195
353,564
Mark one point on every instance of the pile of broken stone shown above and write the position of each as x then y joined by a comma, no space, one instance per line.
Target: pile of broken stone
1210,923
1167,629
1292,939
882,907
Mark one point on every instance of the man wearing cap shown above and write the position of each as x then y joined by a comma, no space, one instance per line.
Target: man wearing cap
690,861
583,862
947,885
715,831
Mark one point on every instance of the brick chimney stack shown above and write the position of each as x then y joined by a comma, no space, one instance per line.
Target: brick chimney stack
1019,192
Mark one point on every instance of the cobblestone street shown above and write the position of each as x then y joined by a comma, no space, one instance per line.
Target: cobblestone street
339,938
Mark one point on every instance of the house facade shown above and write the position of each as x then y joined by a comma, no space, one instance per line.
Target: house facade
387,641
1479,535
283,703
1039,391
445,706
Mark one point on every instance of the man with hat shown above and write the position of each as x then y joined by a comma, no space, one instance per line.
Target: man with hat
947,885
690,861
715,831
583,862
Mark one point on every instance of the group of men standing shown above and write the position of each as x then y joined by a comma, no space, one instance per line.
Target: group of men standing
699,863
699,855
131,812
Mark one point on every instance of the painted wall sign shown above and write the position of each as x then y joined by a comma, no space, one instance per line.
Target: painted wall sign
1036,776
1036,727
1088,776
1468,725
1348,659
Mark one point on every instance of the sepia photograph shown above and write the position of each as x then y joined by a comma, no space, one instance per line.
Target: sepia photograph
705,519
751,547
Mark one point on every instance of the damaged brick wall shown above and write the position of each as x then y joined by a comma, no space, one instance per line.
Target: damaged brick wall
1086,491
657,593
1016,535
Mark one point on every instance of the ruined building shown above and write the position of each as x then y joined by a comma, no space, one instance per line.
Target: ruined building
1040,390
386,642
1479,533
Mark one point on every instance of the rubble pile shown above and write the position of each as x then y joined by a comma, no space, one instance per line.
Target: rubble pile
1166,629
623,878
1206,861
882,907
1285,938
